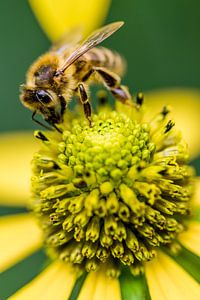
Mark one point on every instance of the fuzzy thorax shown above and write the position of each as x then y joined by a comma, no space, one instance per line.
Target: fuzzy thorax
112,193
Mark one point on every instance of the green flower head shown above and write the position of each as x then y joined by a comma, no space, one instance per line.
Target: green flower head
112,193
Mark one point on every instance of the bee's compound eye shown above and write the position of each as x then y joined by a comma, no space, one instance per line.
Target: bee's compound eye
43,96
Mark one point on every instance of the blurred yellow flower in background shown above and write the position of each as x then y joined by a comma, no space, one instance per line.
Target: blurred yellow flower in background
56,17
166,277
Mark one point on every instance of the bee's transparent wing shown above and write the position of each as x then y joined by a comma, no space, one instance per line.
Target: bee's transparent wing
68,40
93,40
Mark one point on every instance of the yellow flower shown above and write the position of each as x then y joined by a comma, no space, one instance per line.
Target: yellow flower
167,276
57,16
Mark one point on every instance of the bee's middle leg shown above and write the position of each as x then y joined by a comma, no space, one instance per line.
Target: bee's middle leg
85,101
113,83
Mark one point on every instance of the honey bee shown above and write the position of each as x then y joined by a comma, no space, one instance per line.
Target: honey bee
67,70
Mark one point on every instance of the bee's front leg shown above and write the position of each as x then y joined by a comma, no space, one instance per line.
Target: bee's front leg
85,102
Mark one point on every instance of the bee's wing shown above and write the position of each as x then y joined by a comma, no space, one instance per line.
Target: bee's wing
67,40
93,40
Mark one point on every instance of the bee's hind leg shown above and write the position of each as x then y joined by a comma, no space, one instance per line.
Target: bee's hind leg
113,83
85,102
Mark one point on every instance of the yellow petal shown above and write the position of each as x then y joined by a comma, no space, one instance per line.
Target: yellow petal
88,288
98,286
113,290
185,105
16,151
59,16
196,196
167,280
19,237
106,288
191,238
55,282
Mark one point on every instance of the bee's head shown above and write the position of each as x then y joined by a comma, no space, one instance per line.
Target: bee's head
44,102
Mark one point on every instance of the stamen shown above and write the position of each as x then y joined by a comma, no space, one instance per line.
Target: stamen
39,135
139,99
169,126
93,230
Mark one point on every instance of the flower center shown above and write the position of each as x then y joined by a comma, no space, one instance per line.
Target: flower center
111,193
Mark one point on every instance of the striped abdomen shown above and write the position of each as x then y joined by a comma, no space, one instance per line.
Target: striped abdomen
103,57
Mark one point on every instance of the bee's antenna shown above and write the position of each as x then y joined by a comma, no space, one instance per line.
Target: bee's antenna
40,123
58,129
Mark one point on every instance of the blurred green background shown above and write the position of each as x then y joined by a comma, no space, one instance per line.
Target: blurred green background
160,40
